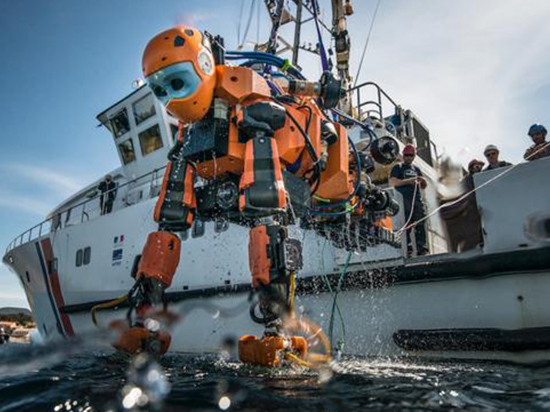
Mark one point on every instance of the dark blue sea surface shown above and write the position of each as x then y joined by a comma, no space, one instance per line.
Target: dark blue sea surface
61,378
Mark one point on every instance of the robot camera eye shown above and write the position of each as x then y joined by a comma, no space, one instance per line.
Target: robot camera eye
179,41
159,91
177,84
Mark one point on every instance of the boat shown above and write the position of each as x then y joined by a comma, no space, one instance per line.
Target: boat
375,299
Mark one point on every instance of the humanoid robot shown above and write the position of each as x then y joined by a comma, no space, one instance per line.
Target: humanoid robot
257,146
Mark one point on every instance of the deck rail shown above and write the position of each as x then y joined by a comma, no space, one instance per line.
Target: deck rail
371,108
61,219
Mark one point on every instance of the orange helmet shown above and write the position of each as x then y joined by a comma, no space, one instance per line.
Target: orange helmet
179,67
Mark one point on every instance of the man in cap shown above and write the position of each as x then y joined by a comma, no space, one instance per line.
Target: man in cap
107,187
491,153
540,148
408,180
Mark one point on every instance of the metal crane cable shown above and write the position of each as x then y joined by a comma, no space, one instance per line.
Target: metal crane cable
367,42
250,14
240,23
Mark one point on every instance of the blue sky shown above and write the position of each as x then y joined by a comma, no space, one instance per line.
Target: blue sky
474,72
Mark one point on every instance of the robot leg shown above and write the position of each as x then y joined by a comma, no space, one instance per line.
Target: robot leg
158,263
156,269
274,259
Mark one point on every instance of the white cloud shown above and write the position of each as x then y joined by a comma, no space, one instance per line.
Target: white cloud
36,189
61,182
24,203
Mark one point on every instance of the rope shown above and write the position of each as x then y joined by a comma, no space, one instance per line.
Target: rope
115,302
410,214
334,303
367,42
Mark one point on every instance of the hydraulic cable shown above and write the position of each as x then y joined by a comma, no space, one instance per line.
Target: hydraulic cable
334,302
311,150
322,52
292,291
309,145
107,305
266,58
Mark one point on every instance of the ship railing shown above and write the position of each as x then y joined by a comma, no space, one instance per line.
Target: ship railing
370,101
89,208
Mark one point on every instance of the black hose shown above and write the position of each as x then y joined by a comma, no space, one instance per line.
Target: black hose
255,318
308,123
316,178
309,145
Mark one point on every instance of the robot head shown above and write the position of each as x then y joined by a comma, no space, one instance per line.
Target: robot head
179,67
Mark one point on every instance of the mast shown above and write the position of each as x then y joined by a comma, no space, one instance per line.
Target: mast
297,33
341,37
280,15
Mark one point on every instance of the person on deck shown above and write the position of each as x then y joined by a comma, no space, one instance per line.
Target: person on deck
540,148
408,180
461,215
107,187
475,166
491,153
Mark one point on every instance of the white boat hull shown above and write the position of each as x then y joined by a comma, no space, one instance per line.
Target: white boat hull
491,303
373,311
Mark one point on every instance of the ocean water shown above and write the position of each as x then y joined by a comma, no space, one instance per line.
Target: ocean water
65,378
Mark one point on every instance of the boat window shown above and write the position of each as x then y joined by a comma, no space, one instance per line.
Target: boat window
120,124
150,140
198,228
87,255
144,108
79,258
127,151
